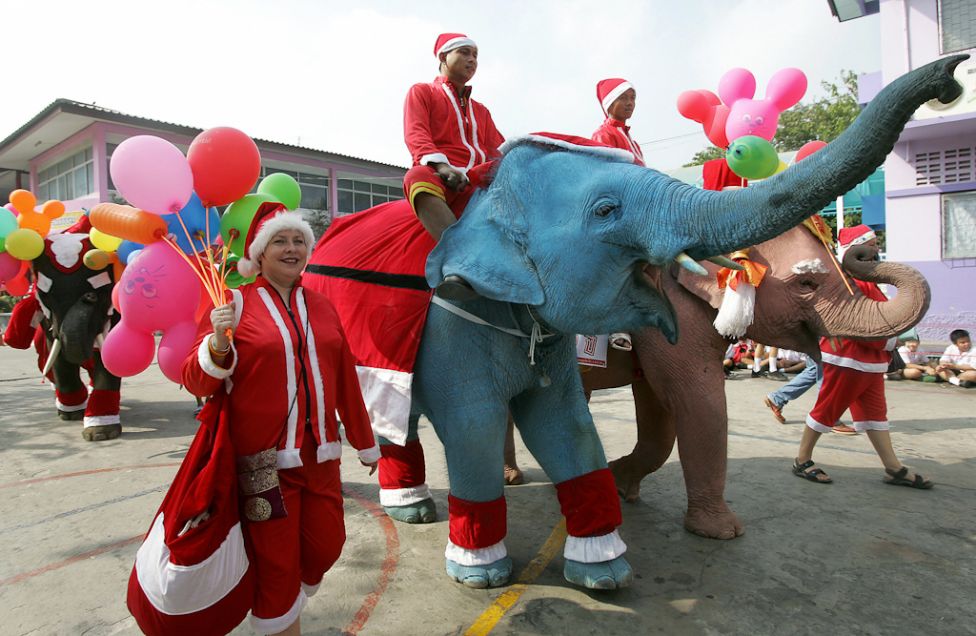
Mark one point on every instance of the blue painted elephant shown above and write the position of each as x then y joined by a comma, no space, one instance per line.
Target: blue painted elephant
567,241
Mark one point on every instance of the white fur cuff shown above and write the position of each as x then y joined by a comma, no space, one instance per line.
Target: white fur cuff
328,451
594,549
871,425
369,455
209,366
403,496
817,426
101,420
478,556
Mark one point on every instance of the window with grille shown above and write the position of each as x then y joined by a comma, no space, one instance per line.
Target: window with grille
957,25
355,195
944,166
959,225
70,178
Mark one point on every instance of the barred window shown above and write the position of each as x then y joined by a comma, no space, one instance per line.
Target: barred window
70,178
957,25
959,225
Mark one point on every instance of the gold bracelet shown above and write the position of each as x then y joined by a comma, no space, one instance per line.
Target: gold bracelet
214,351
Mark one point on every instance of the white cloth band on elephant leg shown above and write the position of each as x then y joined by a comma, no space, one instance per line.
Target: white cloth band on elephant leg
605,547
478,556
101,420
404,496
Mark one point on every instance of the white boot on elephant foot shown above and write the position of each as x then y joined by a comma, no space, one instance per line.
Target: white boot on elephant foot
605,575
100,428
481,576
424,511
713,524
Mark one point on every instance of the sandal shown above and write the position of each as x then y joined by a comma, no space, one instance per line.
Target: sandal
898,479
810,474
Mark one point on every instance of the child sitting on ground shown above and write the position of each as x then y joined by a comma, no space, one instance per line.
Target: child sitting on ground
917,364
958,363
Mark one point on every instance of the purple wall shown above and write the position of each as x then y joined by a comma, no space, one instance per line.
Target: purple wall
953,305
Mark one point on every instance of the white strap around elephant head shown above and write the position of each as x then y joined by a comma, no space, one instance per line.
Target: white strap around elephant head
535,337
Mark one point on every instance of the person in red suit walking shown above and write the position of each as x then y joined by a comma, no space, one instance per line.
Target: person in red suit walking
853,377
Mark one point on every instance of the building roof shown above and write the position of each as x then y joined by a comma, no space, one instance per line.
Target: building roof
64,117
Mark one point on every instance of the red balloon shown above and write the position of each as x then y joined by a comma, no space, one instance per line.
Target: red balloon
225,164
808,149
19,285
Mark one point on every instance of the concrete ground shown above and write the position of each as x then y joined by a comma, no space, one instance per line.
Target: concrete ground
854,557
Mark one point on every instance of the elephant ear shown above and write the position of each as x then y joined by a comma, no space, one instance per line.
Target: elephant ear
485,248
705,287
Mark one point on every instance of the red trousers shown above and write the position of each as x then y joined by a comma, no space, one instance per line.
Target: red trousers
859,391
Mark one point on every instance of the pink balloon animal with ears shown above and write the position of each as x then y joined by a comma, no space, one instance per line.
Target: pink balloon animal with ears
708,110
157,292
759,117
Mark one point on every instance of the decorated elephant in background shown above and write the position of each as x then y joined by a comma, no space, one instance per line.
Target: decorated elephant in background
562,242
76,303
679,391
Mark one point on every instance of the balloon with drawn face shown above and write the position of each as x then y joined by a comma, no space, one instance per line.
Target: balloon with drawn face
758,117
158,292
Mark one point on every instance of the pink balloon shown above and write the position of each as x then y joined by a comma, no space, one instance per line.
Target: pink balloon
127,351
158,289
759,117
9,267
708,110
152,174
175,345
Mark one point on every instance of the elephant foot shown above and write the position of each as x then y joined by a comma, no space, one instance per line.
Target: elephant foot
101,432
627,479
481,576
424,511
605,575
71,416
514,476
713,524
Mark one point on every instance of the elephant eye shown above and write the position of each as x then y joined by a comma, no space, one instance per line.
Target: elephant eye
149,290
605,209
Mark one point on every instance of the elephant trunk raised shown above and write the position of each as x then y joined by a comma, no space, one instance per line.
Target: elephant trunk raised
861,317
716,223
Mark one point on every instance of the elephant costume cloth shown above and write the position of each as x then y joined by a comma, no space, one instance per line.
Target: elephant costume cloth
616,134
283,392
853,378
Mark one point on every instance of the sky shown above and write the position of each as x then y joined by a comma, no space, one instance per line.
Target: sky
332,75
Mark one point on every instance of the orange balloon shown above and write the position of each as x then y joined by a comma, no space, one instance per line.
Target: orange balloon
23,200
127,222
29,219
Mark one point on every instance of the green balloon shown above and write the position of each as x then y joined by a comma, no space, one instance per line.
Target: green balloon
237,218
3,244
234,278
752,157
282,188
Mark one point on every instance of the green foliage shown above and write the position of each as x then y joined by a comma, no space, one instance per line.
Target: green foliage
824,119
852,217
7,302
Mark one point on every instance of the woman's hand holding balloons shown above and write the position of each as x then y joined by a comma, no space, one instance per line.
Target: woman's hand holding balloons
222,320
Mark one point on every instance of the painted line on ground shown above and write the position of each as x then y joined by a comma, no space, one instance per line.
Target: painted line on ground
18,578
80,473
507,599
387,569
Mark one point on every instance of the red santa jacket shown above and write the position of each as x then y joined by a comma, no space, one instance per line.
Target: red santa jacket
871,356
24,321
290,369
437,128
616,134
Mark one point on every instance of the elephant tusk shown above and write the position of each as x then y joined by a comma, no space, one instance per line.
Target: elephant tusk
723,261
690,264
52,356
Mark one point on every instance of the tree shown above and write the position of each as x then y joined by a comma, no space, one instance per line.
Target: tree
824,119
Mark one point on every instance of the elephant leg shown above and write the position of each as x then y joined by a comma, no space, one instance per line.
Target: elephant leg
71,394
655,441
556,426
102,412
404,494
513,474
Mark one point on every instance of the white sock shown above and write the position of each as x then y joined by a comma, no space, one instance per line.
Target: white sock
755,365
772,365
954,380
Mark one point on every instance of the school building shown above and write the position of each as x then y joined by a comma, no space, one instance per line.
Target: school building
64,152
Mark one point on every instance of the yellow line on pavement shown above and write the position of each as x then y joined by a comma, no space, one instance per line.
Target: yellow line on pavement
490,617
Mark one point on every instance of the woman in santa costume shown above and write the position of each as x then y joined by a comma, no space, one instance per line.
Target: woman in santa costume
280,353
853,377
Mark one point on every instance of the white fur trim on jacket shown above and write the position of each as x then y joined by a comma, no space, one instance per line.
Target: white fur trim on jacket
209,366
605,547
478,556
851,363
284,220
403,496
817,426
437,157
617,154
328,451
183,589
386,394
369,455
280,623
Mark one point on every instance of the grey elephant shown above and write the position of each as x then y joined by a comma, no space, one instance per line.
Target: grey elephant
802,296
566,241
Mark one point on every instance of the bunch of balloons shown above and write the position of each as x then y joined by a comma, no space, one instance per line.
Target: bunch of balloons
743,125
22,232
177,250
